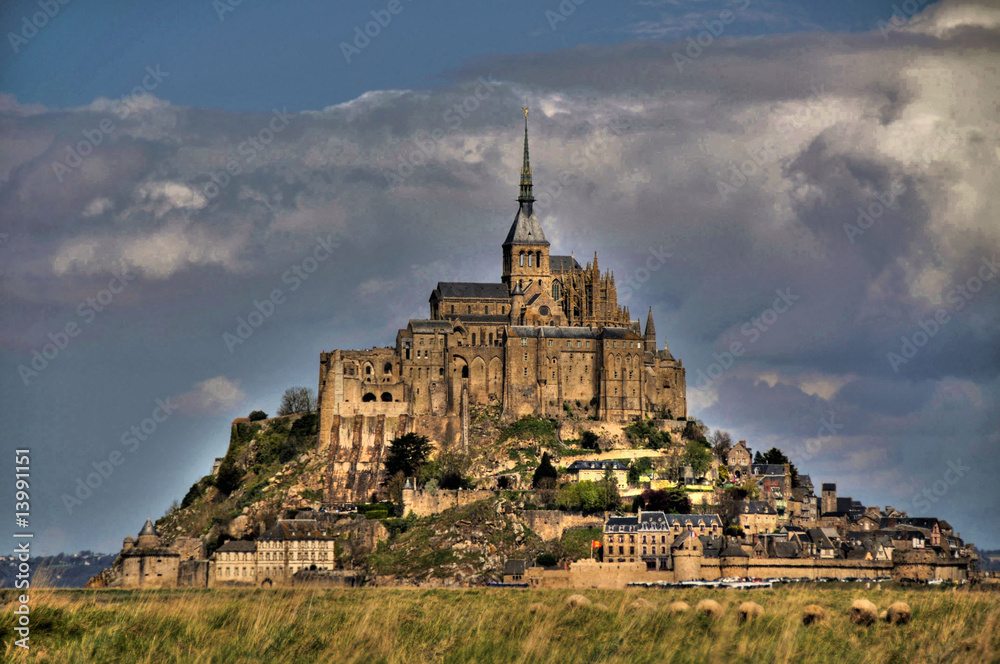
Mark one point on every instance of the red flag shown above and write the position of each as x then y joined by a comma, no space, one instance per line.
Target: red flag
595,544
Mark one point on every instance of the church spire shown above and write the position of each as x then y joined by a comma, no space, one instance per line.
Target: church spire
526,195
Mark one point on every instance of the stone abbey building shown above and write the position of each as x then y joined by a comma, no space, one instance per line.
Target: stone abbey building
549,332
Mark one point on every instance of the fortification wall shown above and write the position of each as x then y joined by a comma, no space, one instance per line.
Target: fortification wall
426,503
550,524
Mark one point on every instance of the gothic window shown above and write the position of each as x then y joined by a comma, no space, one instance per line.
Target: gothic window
387,368
522,259
368,370
465,372
556,290
530,257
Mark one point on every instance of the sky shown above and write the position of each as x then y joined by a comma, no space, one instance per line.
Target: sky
803,192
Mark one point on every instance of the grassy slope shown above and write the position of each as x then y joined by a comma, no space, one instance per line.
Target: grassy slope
382,625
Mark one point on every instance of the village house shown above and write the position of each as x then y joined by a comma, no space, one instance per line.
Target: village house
594,471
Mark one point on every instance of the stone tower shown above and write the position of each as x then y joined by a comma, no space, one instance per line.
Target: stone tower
148,538
829,499
526,251
687,554
649,345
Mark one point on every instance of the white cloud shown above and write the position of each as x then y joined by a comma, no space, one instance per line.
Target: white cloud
214,395
98,206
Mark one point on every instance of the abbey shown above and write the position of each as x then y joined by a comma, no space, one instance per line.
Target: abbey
549,332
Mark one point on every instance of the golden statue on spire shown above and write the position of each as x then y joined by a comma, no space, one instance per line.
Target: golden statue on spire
525,109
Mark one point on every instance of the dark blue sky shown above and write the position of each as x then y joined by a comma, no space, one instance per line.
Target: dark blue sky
263,54
820,107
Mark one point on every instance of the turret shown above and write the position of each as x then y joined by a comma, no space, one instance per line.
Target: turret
650,342
148,538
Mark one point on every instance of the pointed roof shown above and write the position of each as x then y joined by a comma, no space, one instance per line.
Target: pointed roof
147,529
527,227
650,328
525,195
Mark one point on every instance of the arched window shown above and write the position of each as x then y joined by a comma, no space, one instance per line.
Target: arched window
522,258
386,396
530,256
387,368
538,259
453,308
556,290
368,370
465,372
368,397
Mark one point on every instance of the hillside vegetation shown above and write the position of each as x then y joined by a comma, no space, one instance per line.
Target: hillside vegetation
498,625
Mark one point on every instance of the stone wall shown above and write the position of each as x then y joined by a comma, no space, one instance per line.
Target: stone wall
550,524
426,503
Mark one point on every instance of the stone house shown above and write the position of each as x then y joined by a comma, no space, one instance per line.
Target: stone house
593,471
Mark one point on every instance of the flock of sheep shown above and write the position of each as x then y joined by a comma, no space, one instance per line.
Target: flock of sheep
862,612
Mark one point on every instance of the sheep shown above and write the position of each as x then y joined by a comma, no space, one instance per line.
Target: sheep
536,606
898,613
863,612
576,601
813,614
676,608
749,611
641,604
710,608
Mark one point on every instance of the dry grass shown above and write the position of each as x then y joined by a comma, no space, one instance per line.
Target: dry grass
496,625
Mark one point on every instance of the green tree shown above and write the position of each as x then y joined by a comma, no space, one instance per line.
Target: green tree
229,476
638,468
547,560
590,441
545,475
608,496
258,415
777,457
673,500
407,454
643,433
698,457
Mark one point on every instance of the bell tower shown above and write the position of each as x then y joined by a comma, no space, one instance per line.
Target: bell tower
526,251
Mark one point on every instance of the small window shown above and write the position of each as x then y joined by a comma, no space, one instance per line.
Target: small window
525,357
526,371
486,309
469,308
550,343
368,370
453,308
524,341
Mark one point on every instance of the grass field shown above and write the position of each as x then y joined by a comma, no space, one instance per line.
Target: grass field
495,625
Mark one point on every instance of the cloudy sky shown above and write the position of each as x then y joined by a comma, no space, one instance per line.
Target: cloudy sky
804,192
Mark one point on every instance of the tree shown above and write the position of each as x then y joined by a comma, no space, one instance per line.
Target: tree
721,443
590,441
672,501
407,454
545,475
547,560
695,430
258,415
229,476
777,457
758,457
638,468
643,433
608,497
751,489
698,457
297,400
730,505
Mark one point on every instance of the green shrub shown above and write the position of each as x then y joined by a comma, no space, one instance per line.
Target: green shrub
547,559
258,415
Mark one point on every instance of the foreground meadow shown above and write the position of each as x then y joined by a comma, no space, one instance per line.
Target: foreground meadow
496,625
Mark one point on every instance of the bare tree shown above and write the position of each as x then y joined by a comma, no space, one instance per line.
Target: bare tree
721,444
297,400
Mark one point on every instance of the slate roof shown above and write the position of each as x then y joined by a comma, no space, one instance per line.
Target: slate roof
147,529
563,263
710,546
496,319
238,546
657,521
733,550
552,332
805,482
471,290
423,326
827,486
767,469
757,507
787,549
580,464
525,229
619,333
